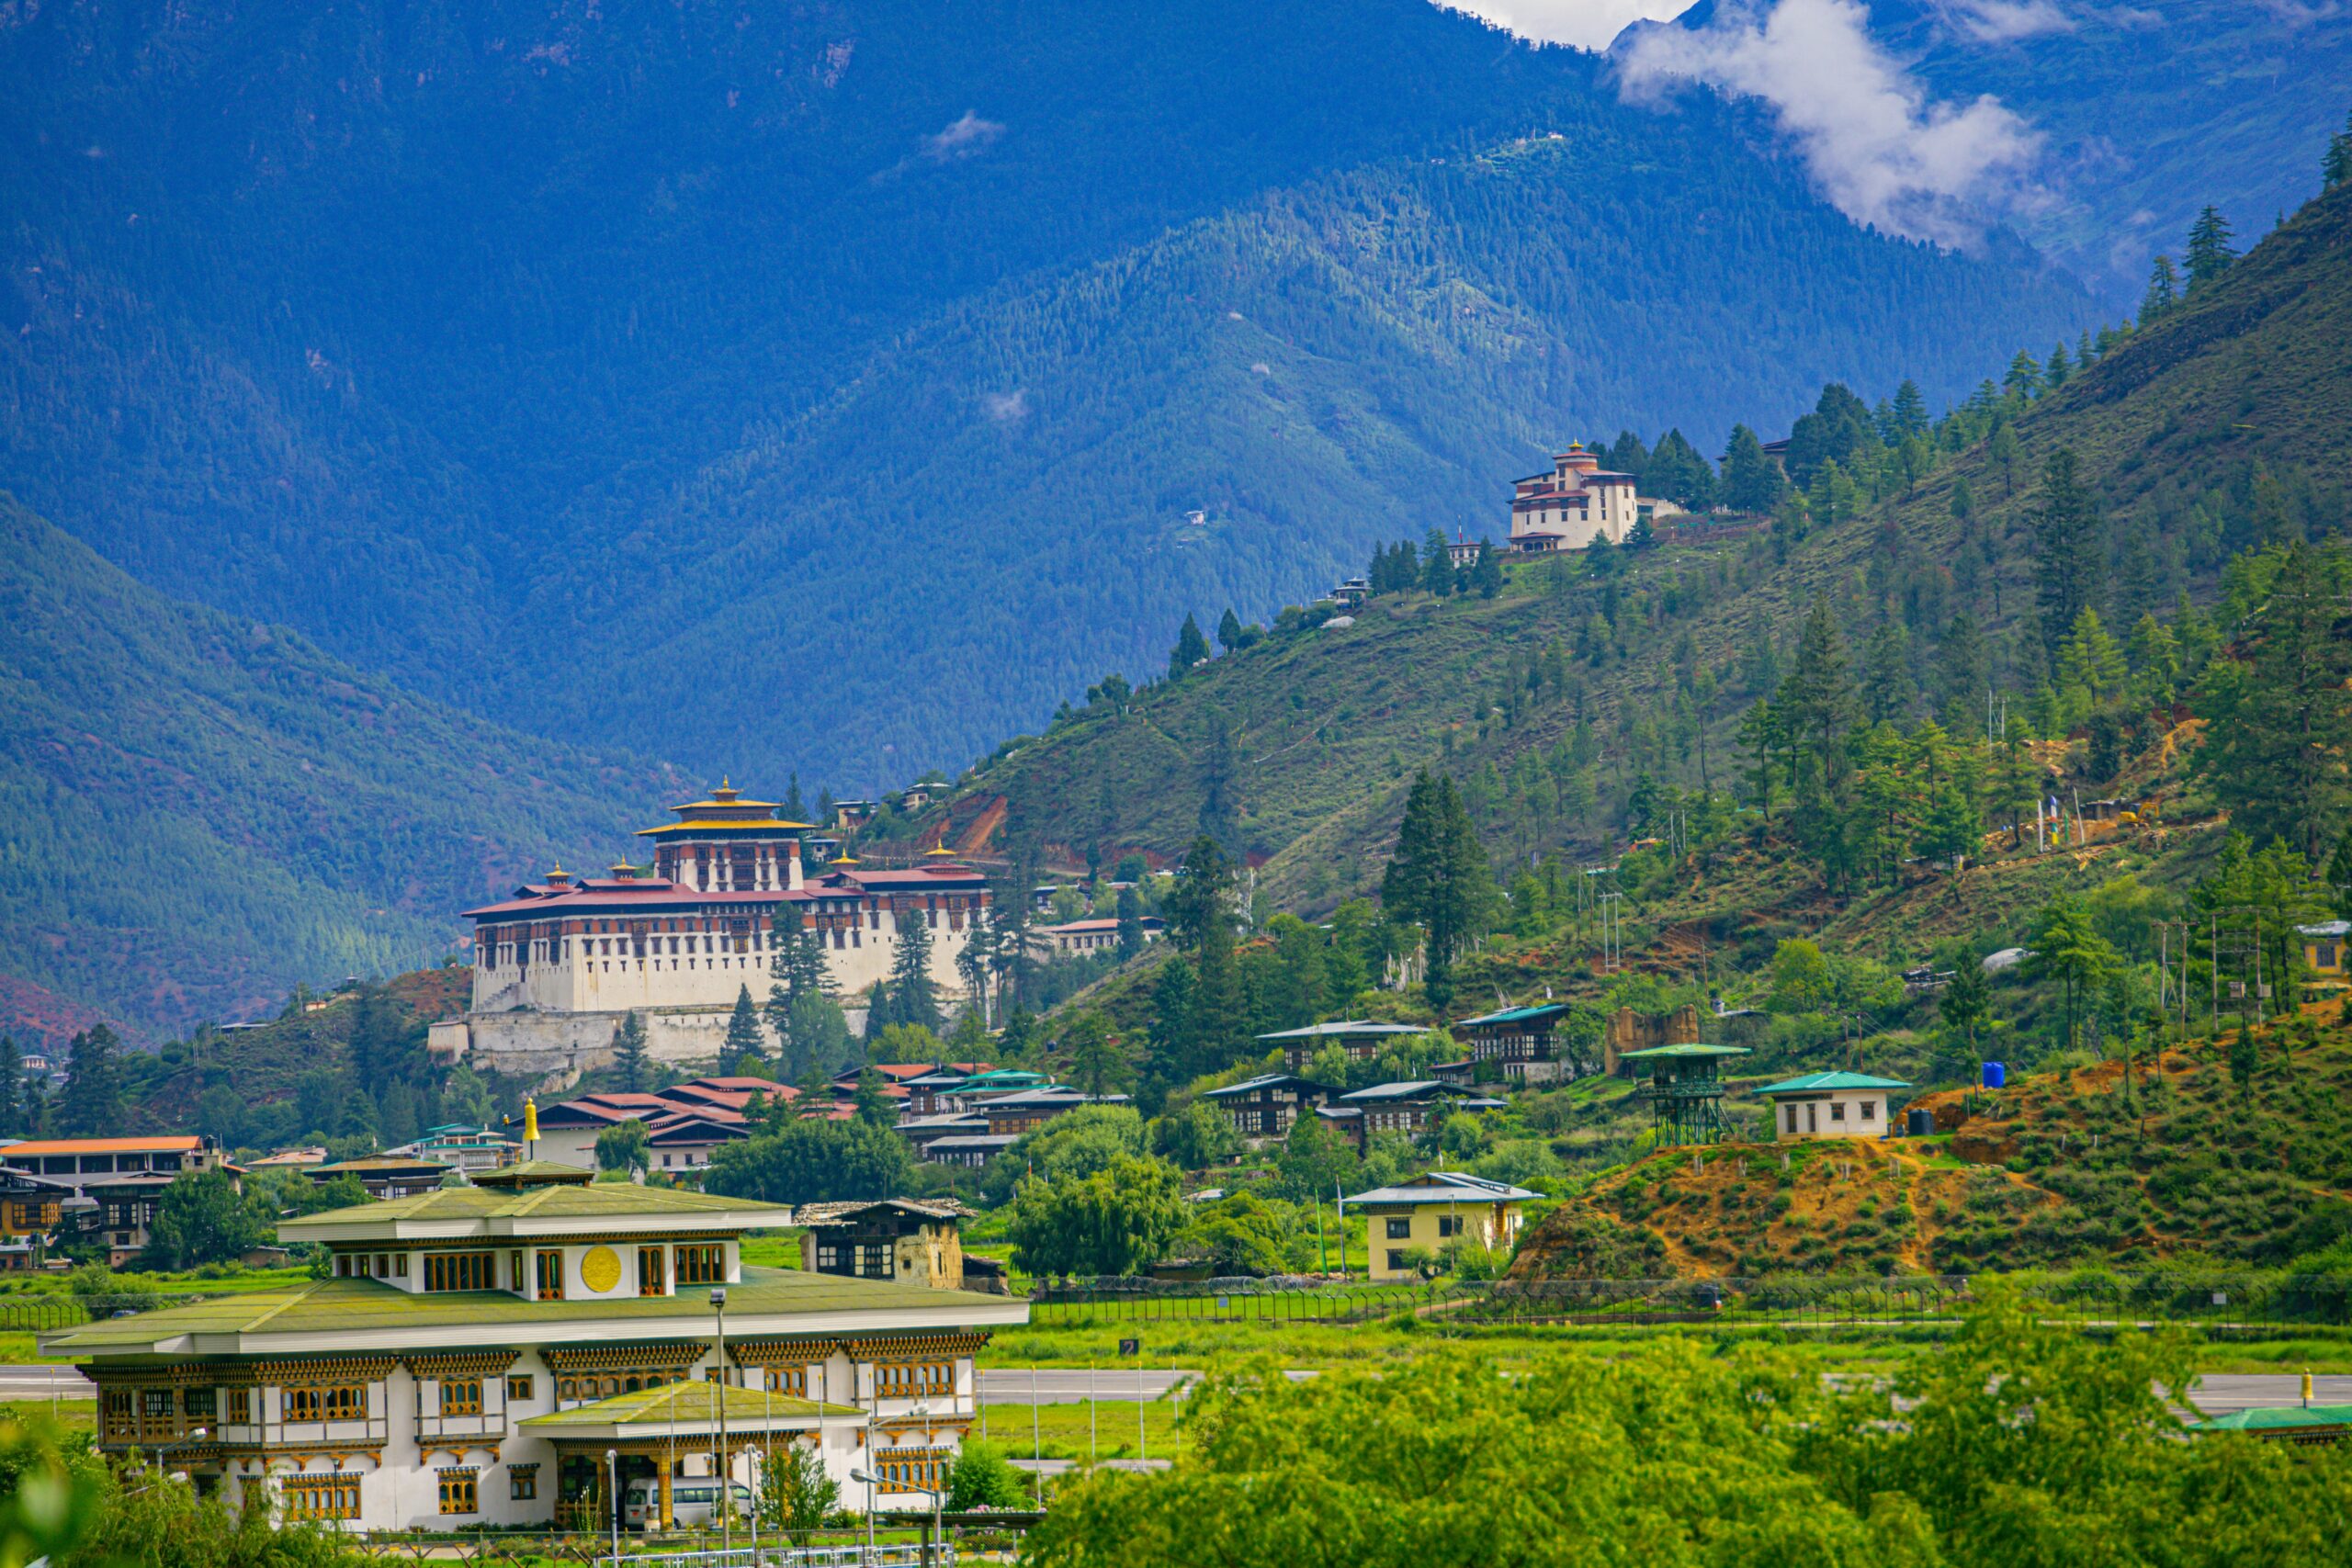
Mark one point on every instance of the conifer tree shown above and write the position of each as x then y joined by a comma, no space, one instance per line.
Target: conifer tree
1438,878
2339,874
2023,379
793,809
2002,449
2164,292
12,1090
2085,354
1678,472
2209,251
1910,409
1751,480
1963,499
1437,566
1228,630
631,1069
1130,924
877,1011
2057,369
913,994
93,1105
2336,167
1191,648
1888,689
1487,573
2278,721
742,1035
2069,547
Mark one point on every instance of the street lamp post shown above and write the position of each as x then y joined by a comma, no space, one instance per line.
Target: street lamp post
725,1470
613,1486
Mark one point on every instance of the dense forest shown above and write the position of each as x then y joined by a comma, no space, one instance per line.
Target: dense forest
345,325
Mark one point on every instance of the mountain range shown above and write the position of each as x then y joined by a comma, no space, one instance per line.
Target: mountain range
439,431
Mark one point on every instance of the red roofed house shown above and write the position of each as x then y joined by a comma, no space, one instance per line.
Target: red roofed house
561,963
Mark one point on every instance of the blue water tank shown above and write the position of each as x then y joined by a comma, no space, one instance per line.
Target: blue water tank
1996,1075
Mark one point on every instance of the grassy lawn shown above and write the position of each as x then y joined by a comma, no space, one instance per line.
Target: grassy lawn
1063,1431
73,1414
16,1351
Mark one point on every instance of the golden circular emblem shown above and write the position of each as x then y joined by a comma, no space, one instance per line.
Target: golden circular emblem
600,1270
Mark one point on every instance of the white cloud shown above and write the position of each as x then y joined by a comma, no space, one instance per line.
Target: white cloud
968,136
1873,141
2005,21
1587,24
1006,408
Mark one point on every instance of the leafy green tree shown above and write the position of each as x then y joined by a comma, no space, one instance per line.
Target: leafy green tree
743,1042
624,1147
984,1478
632,1066
873,1107
797,1494
2278,720
1800,977
93,1104
1238,1235
387,1046
809,1161
2209,250
200,1219
1196,1137
1966,1004
1115,1221
1191,648
1313,1160
1097,1064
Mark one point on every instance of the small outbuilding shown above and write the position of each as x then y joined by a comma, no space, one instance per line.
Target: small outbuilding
1832,1105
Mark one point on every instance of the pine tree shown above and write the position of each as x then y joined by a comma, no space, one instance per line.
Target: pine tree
2339,874
2209,251
1963,499
1191,648
2069,548
742,1035
13,1121
1887,688
1437,566
1751,480
794,811
2002,449
1486,572
2056,371
1910,409
93,1105
1963,672
913,995
1131,938
1679,473
631,1067
385,1046
2163,293
2278,722
877,1011
1228,630
2336,167
2086,352
1966,1004
2023,379
1438,878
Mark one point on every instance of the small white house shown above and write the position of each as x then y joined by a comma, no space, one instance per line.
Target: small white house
1832,1105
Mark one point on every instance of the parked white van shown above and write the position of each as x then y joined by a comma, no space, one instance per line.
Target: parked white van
693,1503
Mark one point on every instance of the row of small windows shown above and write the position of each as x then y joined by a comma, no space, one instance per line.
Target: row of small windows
625,945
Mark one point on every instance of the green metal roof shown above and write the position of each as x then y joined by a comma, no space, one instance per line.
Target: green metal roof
329,1305
1515,1015
1670,1051
1343,1029
687,1402
2277,1418
1816,1082
598,1201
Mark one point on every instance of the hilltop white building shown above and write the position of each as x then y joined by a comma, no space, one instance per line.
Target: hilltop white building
1574,504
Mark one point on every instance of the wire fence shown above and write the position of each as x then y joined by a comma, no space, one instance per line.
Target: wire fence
40,1314
2218,1303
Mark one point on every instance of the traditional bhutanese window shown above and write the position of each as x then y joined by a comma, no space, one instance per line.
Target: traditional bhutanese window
241,1406
320,1497
649,1281
522,1481
551,1276
793,1380
461,1396
114,1410
458,1271
519,1390
702,1265
913,1473
334,1402
460,1491
913,1380
198,1403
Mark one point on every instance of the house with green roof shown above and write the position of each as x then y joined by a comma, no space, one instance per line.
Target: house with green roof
1832,1105
475,1351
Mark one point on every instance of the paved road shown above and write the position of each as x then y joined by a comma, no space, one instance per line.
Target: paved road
2216,1393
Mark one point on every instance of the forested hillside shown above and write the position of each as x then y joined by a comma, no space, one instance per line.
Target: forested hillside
464,339
197,813
2219,426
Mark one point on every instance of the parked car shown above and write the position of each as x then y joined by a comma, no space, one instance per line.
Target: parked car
693,1502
